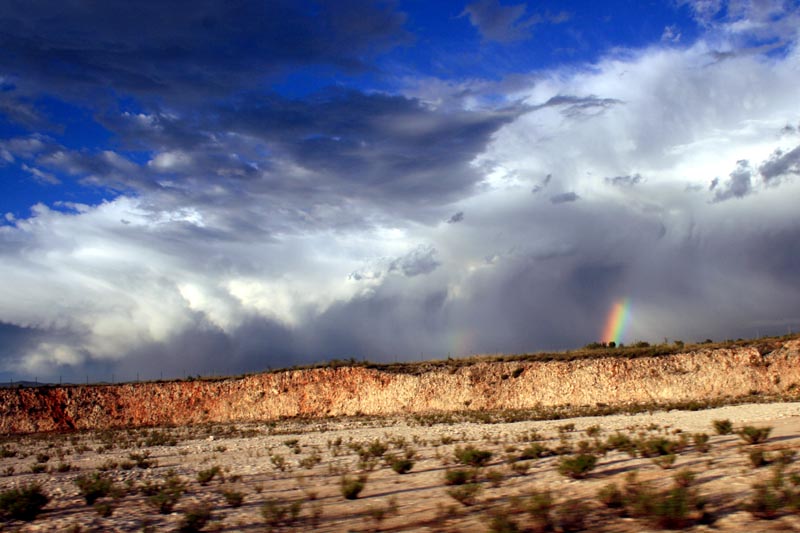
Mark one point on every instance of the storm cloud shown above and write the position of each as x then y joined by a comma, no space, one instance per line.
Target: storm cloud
234,225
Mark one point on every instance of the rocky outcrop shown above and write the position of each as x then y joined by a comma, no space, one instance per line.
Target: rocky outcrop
696,375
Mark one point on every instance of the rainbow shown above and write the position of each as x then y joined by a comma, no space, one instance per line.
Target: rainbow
617,320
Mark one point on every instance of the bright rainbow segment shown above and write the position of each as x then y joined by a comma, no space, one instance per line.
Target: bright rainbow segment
617,321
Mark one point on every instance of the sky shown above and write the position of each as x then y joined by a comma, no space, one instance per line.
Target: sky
215,187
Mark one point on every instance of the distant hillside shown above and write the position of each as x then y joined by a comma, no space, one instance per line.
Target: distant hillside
590,381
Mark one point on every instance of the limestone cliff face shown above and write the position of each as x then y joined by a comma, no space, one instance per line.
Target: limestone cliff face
696,375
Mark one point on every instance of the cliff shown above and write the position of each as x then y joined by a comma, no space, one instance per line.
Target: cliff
700,374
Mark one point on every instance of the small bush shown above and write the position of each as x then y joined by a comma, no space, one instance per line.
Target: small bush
701,442
38,468
767,502
279,515
570,516
204,477
165,495
465,494
656,446
540,506
104,509
402,465
611,496
472,456
534,451
665,462
577,466
142,460
460,476
500,522
24,503
723,427
233,497
352,487
757,458
754,435
93,487
195,518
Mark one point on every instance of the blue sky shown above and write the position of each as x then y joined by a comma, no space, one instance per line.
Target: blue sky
197,186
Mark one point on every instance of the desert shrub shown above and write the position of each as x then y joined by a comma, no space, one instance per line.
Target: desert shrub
500,522
460,476
233,497
594,431
521,468
701,442
104,509
674,508
377,448
401,465
656,446
665,462
142,460
621,442
466,494
38,468
64,467
6,452
570,516
23,503
723,427
311,460
42,457
611,496
160,438
539,506
352,486
195,518
757,458
472,456
94,486
577,466
754,435
684,478
164,496
279,462
534,451
204,477
279,515
786,457
495,477
766,503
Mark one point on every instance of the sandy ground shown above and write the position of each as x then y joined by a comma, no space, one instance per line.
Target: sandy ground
417,501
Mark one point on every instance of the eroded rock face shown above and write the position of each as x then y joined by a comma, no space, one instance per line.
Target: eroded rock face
697,375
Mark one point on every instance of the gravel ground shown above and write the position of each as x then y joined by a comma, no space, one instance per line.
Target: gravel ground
303,462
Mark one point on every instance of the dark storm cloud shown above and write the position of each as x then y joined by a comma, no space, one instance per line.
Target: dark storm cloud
456,218
781,164
624,181
738,185
421,260
564,198
186,48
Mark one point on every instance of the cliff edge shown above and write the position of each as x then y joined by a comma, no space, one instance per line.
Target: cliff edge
699,374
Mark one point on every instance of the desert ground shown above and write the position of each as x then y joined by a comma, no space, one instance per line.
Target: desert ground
288,475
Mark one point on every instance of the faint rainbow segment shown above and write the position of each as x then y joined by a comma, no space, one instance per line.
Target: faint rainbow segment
617,321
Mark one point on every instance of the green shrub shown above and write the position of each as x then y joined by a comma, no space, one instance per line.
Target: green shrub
540,506
23,503
466,494
611,496
472,456
656,446
757,458
500,522
534,451
94,486
204,477
665,462
621,442
723,427
279,515
460,476
401,465
570,516
104,509
754,435
577,466
701,442
233,497
195,518
352,487
164,496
